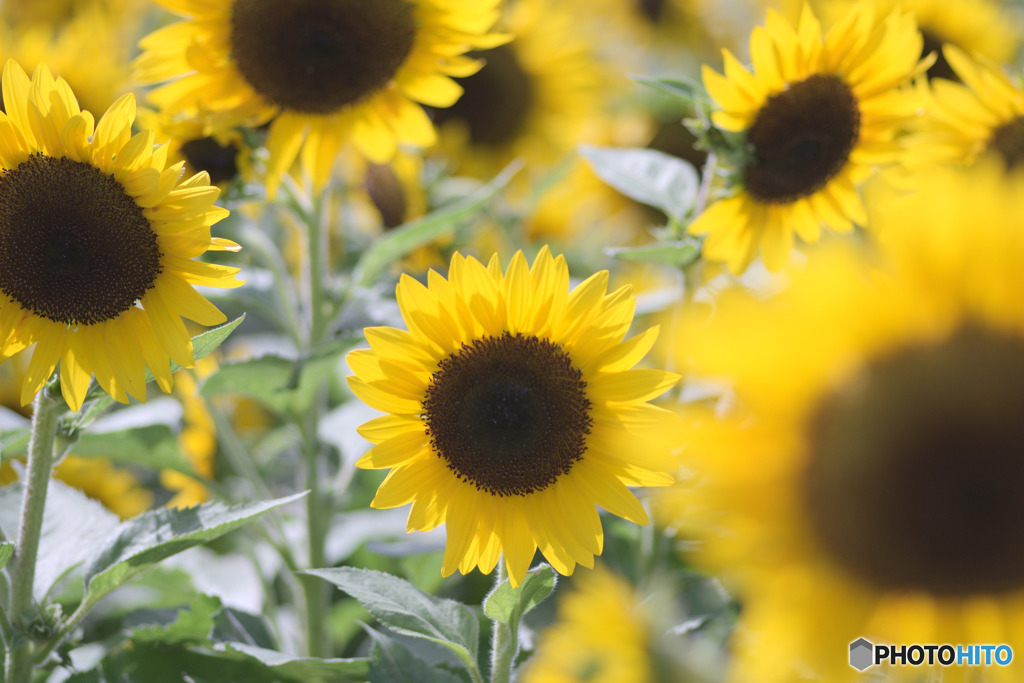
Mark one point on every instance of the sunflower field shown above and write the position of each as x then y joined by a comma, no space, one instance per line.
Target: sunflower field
482,341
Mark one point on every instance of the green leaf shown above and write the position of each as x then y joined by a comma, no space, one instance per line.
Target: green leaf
680,254
684,90
265,379
405,609
508,605
206,343
13,443
398,242
650,177
156,535
6,552
393,662
304,668
153,446
192,626
73,525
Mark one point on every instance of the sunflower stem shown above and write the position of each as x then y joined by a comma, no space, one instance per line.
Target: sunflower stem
318,510
21,610
503,645
319,247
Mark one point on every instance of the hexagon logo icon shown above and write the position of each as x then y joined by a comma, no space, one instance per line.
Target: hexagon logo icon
862,654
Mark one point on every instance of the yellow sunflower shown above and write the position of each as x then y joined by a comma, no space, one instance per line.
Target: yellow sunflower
982,113
512,411
321,72
532,98
818,114
224,155
90,51
91,226
602,636
871,482
982,27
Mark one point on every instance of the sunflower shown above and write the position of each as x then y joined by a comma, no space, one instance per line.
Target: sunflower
92,225
871,482
533,97
512,411
602,636
984,113
982,27
224,156
90,51
818,113
250,62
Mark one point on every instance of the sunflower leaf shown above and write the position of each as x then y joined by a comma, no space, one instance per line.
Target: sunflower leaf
405,609
72,525
398,242
154,446
679,253
6,552
393,662
686,91
304,668
650,177
507,605
156,535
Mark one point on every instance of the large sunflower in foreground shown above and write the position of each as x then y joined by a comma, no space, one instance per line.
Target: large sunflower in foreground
818,114
872,485
91,226
513,412
321,72
982,113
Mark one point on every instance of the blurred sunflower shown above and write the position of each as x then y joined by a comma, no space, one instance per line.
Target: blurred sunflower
198,440
978,27
251,62
818,114
512,411
533,96
92,224
90,51
871,483
984,113
224,155
602,635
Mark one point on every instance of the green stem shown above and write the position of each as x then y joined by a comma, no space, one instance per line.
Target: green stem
503,641
40,463
317,518
319,246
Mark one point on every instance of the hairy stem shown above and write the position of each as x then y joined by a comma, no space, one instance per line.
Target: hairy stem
21,610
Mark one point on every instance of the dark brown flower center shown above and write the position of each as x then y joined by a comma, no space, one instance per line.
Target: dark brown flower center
651,9
916,477
317,56
941,68
801,138
74,247
387,194
206,154
508,414
1008,141
497,100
